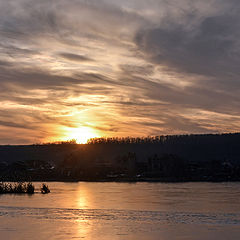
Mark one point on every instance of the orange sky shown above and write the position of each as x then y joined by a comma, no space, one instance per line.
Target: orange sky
80,69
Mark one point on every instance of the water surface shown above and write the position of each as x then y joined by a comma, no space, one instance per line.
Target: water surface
154,211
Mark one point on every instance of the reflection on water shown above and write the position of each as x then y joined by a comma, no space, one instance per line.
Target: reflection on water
83,198
124,211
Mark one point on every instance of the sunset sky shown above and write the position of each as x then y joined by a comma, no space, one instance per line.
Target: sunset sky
91,68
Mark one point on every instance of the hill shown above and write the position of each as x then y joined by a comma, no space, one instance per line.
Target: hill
176,157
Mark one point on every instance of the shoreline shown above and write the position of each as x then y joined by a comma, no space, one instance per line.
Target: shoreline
150,180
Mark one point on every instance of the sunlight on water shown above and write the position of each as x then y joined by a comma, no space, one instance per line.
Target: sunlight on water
84,197
83,228
124,211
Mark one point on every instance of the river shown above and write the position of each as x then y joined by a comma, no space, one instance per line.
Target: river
126,211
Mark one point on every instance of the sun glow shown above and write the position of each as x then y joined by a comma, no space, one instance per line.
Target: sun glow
82,134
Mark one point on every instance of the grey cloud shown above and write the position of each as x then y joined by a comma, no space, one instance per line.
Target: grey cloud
35,79
27,18
210,48
38,79
75,57
173,121
15,125
169,119
5,63
198,97
13,51
203,95
134,69
27,21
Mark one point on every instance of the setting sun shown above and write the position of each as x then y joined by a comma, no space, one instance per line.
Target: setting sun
82,134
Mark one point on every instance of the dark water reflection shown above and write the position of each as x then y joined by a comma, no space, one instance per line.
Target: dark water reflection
124,211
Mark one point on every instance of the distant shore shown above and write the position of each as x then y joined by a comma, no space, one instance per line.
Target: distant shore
130,180
176,158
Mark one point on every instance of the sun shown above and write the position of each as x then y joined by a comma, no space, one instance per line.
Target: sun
82,134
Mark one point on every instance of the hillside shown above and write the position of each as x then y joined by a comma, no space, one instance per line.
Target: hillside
162,156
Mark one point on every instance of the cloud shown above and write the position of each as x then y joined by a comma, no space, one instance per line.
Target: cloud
119,67
35,78
75,57
138,70
208,47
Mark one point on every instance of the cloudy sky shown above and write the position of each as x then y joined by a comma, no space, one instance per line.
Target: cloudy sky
71,68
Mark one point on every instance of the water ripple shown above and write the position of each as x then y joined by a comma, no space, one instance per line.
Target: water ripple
122,215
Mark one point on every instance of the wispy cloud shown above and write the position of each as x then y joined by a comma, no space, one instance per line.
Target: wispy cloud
75,57
120,67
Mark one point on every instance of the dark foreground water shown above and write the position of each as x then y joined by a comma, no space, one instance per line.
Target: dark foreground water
127,211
